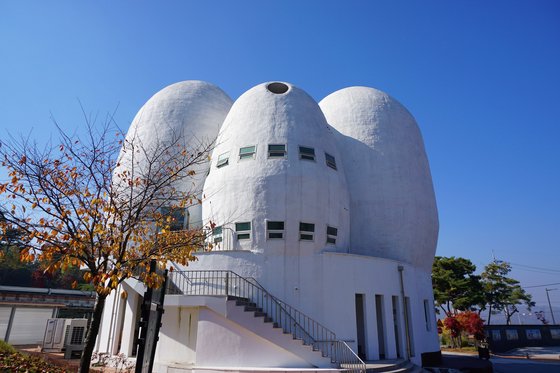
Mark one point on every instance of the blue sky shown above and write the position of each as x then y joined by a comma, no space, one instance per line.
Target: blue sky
482,79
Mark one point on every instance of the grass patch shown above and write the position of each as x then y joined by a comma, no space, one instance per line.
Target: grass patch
466,350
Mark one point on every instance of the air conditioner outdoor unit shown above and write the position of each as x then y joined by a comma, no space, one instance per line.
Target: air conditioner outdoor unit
61,332
55,332
75,332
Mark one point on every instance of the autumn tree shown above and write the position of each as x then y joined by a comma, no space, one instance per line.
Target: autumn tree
503,294
456,287
105,203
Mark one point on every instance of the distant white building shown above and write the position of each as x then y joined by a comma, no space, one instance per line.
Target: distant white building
326,229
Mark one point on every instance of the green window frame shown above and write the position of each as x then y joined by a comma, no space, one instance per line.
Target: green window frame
277,151
243,230
306,231
217,236
330,160
223,160
274,229
247,152
306,153
332,233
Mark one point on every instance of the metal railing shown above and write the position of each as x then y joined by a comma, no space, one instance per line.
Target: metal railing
255,298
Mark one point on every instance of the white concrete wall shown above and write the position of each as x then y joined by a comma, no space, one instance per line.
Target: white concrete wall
325,288
223,343
178,337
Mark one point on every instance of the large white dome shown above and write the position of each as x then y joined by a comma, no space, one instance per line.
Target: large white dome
393,208
190,111
289,189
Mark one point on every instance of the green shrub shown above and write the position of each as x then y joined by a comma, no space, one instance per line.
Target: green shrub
13,361
7,348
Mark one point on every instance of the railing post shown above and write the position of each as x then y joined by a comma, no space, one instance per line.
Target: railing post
227,283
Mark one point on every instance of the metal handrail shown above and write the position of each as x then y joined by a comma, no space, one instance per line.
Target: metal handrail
257,298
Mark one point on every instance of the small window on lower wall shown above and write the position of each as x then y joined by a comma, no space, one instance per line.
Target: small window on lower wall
276,151
331,161
331,235
248,152
306,231
306,153
275,229
217,234
243,230
223,160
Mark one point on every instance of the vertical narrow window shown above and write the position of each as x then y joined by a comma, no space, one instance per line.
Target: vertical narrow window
243,230
217,234
223,160
247,152
275,229
331,235
306,231
331,162
276,151
427,315
306,153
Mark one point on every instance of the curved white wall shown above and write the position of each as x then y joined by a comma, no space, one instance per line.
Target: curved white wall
393,208
287,189
191,111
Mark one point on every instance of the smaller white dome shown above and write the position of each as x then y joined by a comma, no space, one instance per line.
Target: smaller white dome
393,210
191,112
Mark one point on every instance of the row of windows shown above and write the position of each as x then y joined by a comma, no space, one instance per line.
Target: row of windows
275,230
275,151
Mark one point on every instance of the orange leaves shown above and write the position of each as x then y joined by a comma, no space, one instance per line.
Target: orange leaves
26,256
87,276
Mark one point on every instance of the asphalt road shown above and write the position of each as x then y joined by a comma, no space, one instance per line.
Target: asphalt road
504,365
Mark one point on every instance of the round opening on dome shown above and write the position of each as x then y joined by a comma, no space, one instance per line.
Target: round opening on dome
278,88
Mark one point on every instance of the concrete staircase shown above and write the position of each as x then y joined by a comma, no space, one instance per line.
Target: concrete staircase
248,315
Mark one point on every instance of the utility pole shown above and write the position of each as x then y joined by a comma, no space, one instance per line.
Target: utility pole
549,305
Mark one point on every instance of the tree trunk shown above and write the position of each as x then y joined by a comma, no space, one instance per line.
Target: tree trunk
92,334
489,314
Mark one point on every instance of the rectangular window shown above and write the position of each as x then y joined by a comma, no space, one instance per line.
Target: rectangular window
306,231
174,217
223,160
275,229
247,152
243,230
331,235
217,234
331,162
306,153
277,151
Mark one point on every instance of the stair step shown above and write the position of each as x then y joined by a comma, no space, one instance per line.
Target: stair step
390,367
236,298
260,314
253,309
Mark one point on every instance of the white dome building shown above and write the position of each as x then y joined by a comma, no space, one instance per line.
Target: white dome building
324,230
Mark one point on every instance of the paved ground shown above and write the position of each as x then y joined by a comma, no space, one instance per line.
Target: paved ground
540,353
541,360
